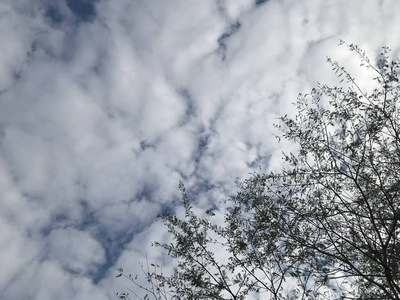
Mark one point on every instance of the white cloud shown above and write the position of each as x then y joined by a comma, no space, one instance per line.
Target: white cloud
45,280
75,250
16,252
100,120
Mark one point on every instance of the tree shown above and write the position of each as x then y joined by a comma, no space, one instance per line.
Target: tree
326,226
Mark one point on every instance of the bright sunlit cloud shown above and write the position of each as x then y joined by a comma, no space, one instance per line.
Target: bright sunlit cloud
106,105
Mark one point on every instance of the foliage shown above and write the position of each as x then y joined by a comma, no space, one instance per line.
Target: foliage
326,226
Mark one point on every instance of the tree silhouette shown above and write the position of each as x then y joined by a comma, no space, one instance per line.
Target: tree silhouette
325,227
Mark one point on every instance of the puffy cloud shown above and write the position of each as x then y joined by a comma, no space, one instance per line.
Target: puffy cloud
75,250
104,108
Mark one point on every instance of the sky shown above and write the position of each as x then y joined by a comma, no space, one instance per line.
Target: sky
105,105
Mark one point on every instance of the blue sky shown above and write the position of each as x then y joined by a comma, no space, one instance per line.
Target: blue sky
106,105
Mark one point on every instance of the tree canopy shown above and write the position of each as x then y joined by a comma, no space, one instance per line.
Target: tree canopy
325,227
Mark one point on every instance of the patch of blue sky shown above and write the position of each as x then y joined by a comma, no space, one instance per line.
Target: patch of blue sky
82,10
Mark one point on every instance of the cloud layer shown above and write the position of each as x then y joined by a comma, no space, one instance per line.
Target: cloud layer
106,106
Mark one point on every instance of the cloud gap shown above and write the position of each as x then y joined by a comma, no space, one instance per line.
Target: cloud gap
84,10
223,39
